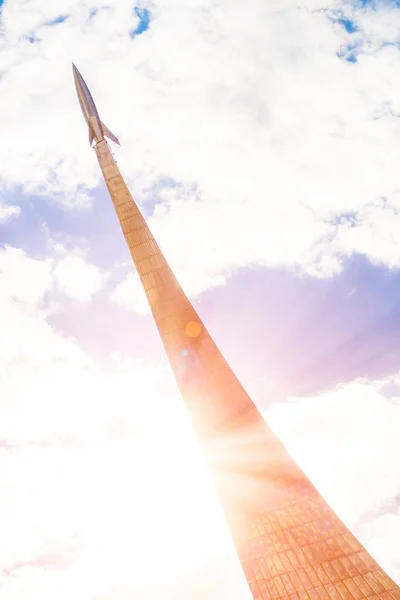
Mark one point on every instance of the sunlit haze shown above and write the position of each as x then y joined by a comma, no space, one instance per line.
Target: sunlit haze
262,142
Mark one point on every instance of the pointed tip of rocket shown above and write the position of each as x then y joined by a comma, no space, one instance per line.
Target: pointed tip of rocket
75,70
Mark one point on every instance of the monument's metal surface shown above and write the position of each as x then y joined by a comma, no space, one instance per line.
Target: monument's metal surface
97,129
290,542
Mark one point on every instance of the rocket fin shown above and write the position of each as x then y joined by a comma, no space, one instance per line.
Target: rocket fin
109,134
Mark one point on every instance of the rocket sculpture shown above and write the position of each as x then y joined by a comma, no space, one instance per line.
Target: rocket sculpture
291,544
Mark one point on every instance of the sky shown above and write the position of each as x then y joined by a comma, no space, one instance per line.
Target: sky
262,142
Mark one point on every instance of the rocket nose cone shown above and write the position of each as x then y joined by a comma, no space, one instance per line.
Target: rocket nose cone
76,73
79,82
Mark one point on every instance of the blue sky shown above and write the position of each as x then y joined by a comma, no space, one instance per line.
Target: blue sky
355,311
144,16
262,146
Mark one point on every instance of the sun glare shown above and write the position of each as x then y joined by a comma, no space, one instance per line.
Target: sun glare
144,498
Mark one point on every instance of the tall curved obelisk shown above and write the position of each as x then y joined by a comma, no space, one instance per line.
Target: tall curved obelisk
290,542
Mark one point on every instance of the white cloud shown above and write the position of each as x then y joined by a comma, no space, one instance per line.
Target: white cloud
375,231
270,136
347,441
86,453
277,135
84,456
78,279
130,295
25,279
28,280
8,211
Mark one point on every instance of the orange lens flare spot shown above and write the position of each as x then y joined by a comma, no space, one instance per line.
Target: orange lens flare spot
193,329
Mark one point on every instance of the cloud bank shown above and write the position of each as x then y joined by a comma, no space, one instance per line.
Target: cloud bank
248,129
253,135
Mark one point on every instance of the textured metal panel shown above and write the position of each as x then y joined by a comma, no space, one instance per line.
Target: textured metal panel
291,544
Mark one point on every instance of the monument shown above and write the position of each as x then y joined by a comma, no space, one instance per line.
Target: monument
290,543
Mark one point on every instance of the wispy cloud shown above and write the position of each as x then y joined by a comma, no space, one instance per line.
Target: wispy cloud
8,211
261,117
254,138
